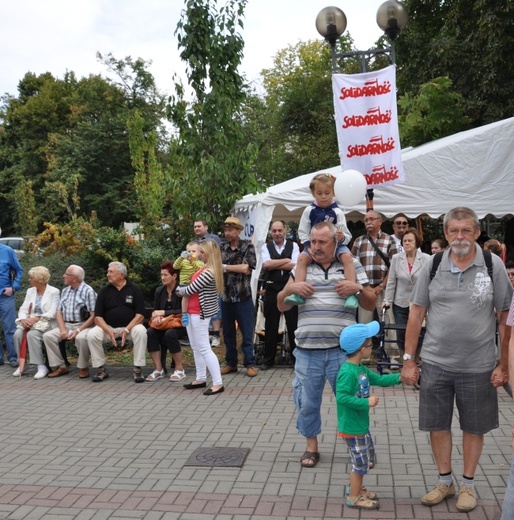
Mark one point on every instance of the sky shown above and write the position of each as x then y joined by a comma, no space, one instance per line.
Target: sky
64,35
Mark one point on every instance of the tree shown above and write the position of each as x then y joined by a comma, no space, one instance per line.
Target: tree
433,113
69,138
211,164
469,42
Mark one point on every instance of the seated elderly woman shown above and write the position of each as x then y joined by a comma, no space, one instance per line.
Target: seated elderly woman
37,315
166,302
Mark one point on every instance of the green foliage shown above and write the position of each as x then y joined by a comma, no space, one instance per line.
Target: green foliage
210,158
93,246
298,131
149,178
434,113
69,139
468,41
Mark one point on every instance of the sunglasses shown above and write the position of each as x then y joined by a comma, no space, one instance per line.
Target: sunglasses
401,223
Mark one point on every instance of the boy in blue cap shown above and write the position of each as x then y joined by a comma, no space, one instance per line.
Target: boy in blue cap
353,404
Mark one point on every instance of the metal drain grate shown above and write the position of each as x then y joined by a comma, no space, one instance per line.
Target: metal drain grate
218,457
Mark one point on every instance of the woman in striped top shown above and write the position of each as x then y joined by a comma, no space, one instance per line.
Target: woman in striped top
204,290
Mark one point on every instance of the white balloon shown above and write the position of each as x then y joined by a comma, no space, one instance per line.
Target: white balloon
350,187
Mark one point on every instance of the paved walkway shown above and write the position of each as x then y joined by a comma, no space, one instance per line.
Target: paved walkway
73,449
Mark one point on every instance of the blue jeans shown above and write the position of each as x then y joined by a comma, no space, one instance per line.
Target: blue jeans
508,501
8,317
244,313
312,369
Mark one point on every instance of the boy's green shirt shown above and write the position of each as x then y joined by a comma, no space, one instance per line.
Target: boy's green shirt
353,411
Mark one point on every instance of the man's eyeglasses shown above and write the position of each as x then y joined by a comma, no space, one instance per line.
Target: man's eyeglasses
371,219
401,223
68,274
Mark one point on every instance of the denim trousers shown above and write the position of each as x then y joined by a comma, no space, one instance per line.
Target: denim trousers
8,318
312,369
508,501
244,313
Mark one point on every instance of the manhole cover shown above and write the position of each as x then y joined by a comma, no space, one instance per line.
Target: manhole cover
218,457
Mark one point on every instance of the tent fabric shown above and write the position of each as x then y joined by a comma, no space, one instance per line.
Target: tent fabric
474,168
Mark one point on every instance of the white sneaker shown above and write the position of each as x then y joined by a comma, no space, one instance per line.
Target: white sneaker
215,341
17,373
41,374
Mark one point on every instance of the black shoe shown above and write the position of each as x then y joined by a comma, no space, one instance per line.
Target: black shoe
13,363
210,392
191,386
265,366
2,362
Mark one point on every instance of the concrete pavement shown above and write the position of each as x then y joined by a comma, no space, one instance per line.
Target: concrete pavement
73,449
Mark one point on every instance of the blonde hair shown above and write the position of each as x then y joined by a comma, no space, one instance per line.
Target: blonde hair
40,274
212,249
322,178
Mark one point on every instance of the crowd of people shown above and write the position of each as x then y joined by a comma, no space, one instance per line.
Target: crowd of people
331,299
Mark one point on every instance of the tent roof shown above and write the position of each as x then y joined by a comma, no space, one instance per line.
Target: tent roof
473,168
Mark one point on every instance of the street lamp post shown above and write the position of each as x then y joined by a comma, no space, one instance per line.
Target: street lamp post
331,23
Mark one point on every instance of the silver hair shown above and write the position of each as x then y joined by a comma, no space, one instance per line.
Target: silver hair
120,267
77,271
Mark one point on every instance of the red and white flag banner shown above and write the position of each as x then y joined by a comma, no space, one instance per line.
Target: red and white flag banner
367,125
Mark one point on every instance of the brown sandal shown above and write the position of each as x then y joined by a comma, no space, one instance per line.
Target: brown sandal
370,495
309,459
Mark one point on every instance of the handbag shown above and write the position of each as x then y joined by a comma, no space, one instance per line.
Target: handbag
42,325
173,321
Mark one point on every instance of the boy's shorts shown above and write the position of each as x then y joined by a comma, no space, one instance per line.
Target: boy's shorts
362,453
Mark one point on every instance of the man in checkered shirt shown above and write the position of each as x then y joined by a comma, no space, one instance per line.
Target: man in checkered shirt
373,264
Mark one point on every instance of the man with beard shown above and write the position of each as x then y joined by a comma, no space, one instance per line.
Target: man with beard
459,351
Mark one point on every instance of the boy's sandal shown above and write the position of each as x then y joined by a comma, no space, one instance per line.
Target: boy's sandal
360,502
309,459
155,375
178,375
370,495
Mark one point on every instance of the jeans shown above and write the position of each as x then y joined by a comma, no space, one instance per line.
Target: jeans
244,313
508,501
401,316
312,369
8,317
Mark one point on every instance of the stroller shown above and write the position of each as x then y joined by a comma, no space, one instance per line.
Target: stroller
384,362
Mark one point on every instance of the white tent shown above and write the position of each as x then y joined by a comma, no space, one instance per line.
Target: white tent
473,168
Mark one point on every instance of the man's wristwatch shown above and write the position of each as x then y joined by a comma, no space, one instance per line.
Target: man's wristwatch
359,292
126,331
407,357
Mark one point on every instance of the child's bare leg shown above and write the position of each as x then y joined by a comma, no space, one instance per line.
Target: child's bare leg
355,484
300,276
349,268
301,268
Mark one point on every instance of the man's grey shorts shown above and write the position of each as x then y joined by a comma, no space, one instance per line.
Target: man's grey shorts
476,398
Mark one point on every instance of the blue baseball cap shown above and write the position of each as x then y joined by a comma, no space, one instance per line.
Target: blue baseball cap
353,337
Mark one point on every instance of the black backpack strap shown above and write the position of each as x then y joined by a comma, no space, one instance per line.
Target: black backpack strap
435,264
439,256
488,262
